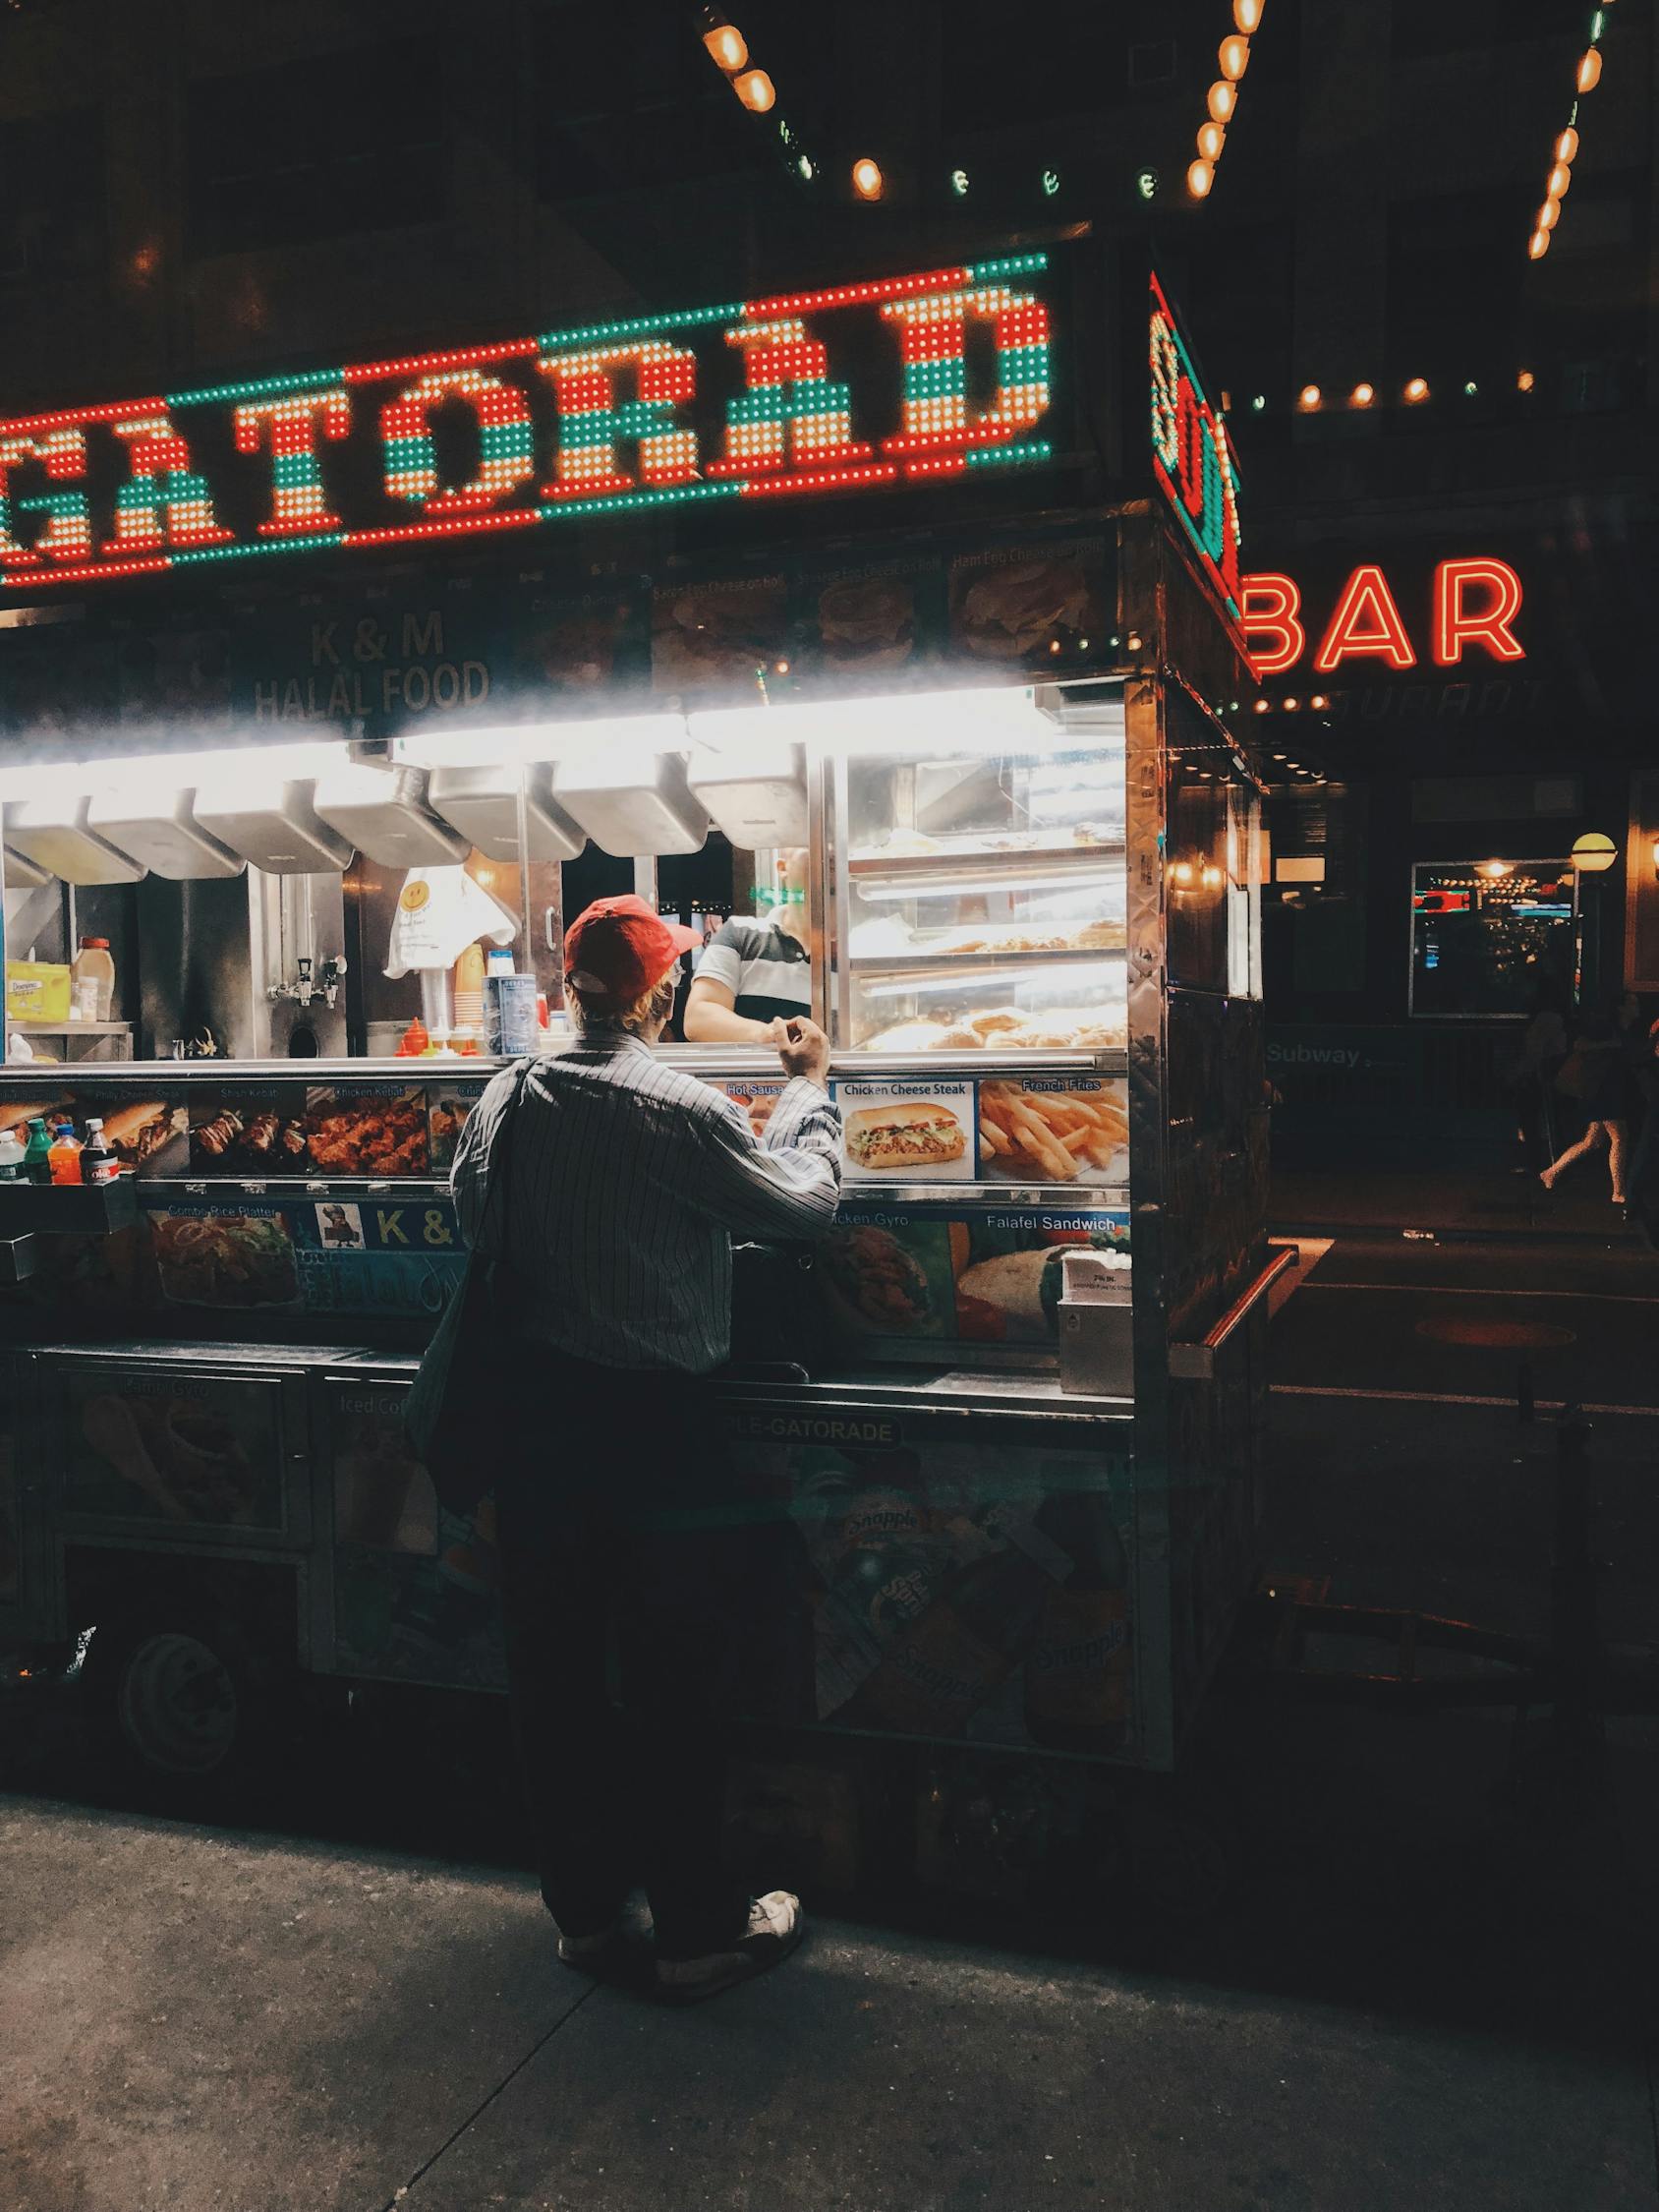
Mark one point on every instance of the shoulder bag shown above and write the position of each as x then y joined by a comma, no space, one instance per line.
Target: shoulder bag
460,1416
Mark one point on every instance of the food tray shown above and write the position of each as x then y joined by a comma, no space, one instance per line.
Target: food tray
980,963
976,860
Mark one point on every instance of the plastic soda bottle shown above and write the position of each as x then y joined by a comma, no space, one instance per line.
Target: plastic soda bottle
63,1157
37,1154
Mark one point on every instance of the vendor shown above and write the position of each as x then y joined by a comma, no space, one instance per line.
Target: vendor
756,976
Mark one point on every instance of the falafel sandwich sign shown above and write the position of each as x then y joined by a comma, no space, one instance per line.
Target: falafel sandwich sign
859,387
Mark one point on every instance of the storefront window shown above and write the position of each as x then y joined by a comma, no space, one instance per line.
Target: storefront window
1490,938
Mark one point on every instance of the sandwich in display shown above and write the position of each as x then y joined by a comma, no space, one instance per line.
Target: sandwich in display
135,1133
904,1134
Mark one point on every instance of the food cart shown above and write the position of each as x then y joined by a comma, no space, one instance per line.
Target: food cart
990,687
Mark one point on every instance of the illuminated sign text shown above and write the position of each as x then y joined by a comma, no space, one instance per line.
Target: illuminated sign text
1191,457
748,400
1472,603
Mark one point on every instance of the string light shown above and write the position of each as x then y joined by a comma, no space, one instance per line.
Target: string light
727,47
1362,396
1416,390
1308,398
755,90
867,178
1565,150
1232,58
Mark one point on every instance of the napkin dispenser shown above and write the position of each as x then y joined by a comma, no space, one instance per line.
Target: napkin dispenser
1095,1325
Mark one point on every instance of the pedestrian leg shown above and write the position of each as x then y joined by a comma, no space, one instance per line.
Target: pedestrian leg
558,1574
1618,1142
1593,1139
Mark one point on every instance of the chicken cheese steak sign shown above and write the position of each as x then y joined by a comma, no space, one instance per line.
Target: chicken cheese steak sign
846,389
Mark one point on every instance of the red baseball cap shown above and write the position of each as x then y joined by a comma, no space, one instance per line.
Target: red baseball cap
618,950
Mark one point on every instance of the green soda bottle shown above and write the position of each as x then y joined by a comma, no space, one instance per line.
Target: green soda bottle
37,1157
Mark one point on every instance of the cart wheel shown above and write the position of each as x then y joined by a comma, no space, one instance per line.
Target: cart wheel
1181,1865
176,1693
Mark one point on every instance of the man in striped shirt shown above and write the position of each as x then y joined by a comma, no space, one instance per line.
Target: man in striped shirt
622,1184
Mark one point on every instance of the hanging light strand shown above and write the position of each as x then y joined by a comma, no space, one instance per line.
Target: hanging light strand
1586,75
1232,59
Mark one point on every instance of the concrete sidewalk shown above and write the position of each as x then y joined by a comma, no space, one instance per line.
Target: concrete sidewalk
217,2022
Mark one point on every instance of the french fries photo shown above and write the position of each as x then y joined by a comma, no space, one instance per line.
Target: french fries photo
1050,1137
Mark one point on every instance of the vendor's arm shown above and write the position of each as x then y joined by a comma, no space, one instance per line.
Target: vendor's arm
712,1017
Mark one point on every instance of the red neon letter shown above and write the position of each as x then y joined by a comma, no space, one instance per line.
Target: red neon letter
1366,623
1269,604
504,440
164,501
591,423
68,535
298,506
1456,625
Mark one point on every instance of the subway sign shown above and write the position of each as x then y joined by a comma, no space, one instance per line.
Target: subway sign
887,385
1471,608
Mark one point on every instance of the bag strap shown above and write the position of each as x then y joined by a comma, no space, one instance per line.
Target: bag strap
500,1152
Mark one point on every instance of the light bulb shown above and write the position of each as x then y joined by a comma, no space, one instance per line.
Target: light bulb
1200,176
1548,216
1560,181
1538,245
866,179
1223,99
1212,137
1233,57
959,182
1567,145
1589,69
1307,399
755,90
1525,380
1247,13
1362,396
1418,389
728,49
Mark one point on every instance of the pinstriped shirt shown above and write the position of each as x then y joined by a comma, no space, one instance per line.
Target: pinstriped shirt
626,1180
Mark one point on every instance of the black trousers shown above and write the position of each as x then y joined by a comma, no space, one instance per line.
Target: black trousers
622,1571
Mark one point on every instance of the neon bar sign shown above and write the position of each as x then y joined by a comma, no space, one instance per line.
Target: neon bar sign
1191,457
572,425
1472,603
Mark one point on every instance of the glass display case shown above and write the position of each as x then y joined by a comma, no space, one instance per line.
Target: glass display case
980,885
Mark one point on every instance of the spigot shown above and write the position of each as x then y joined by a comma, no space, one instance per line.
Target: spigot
333,973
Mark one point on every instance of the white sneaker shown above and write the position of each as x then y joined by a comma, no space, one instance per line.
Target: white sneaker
775,1927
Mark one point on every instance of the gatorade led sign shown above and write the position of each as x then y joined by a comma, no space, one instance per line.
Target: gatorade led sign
752,399
1192,458
1472,605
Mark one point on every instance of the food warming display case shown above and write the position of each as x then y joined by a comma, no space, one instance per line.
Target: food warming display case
1008,1486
